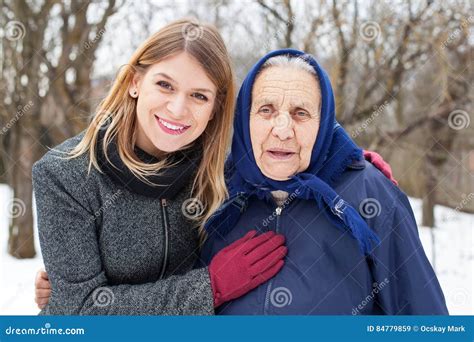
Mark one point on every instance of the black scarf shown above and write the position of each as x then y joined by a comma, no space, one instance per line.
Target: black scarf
169,182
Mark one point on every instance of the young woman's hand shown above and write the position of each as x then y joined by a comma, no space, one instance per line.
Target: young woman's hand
376,160
42,288
245,264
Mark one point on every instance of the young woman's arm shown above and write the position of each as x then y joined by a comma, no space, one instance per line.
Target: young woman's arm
69,244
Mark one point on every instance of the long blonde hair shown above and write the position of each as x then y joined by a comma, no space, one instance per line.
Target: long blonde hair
118,110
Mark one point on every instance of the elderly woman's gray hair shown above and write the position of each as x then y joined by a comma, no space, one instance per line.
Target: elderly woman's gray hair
290,62
294,62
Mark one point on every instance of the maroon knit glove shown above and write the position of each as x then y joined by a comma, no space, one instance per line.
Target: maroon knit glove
376,160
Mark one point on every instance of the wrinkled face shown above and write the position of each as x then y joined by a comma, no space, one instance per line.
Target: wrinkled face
175,101
284,120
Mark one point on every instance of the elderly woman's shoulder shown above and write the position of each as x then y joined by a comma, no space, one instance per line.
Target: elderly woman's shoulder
363,181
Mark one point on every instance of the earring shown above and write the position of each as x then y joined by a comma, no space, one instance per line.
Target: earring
134,94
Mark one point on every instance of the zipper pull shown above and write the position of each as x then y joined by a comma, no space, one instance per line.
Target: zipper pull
278,211
163,202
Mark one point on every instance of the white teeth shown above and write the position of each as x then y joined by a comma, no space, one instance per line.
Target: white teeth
170,126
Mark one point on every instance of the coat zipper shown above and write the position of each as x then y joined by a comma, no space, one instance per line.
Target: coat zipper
278,211
164,216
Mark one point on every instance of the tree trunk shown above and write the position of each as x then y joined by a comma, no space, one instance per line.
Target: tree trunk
441,138
21,237
429,201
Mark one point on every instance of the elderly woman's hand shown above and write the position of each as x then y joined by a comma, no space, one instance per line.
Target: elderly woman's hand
42,288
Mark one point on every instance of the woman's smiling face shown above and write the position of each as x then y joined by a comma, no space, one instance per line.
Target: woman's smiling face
175,101
284,120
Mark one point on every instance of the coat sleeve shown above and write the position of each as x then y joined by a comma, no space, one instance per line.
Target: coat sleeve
406,282
70,248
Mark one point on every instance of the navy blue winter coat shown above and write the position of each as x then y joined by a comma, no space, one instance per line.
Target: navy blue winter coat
325,273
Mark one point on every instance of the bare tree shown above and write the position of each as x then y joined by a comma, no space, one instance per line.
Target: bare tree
47,57
283,14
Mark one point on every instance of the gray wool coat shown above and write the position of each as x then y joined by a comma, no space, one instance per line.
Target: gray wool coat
109,251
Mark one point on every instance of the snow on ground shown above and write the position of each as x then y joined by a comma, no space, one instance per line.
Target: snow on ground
16,276
453,261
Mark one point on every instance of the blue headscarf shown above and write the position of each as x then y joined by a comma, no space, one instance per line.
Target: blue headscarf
332,153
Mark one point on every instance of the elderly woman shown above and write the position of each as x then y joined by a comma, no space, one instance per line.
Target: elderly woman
353,245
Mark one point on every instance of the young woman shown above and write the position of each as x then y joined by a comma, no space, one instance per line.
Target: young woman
114,229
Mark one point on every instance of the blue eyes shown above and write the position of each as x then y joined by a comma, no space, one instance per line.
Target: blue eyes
167,86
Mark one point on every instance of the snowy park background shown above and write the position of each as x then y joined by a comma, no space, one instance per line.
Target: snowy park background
453,253
402,73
